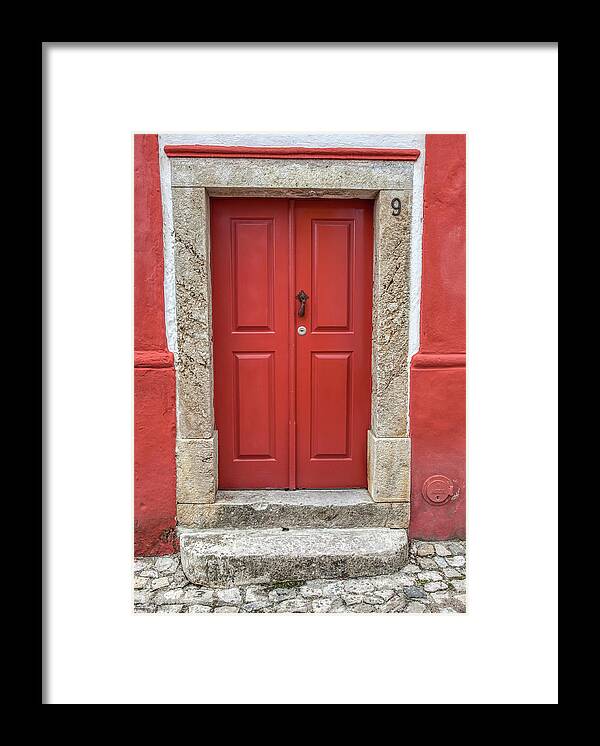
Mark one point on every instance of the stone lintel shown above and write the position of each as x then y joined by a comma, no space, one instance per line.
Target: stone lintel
290,174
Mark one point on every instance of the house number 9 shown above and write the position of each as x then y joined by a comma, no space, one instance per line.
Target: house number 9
396,204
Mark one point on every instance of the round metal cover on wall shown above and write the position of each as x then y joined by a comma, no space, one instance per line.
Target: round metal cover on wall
437,489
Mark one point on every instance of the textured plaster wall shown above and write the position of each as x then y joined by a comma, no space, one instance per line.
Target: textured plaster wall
154,376
438,375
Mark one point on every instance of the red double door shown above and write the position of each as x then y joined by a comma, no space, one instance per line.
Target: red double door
292,379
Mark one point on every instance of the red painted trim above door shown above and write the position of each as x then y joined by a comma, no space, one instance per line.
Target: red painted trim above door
340,154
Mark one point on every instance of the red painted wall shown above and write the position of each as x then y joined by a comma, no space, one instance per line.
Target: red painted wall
154,374
437,395
437,398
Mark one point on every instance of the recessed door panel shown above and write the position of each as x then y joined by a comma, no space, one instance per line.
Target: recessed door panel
332,275
331,399
254,411
253,275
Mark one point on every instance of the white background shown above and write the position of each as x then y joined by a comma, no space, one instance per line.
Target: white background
503,651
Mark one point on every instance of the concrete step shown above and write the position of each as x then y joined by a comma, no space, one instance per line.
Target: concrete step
294,509
228,558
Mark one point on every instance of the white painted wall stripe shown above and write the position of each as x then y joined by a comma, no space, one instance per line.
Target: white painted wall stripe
168,246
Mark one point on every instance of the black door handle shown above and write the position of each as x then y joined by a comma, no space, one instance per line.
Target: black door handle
302,297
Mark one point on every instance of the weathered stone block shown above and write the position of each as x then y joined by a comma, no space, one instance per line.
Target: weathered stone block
193,361
294,509
197,469
189,514
247,557
399,515
391,305
388,468
291,174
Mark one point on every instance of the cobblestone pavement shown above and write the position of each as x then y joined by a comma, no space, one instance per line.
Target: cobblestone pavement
433,582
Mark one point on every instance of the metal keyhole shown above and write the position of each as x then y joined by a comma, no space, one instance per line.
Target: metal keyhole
301,330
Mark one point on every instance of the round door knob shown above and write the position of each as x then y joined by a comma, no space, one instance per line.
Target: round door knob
301,330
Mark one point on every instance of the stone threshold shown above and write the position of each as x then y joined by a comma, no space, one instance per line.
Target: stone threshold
247,509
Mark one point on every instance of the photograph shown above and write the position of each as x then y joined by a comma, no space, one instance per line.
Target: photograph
299,368
300,373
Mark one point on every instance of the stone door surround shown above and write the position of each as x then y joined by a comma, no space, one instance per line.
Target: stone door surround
384,175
